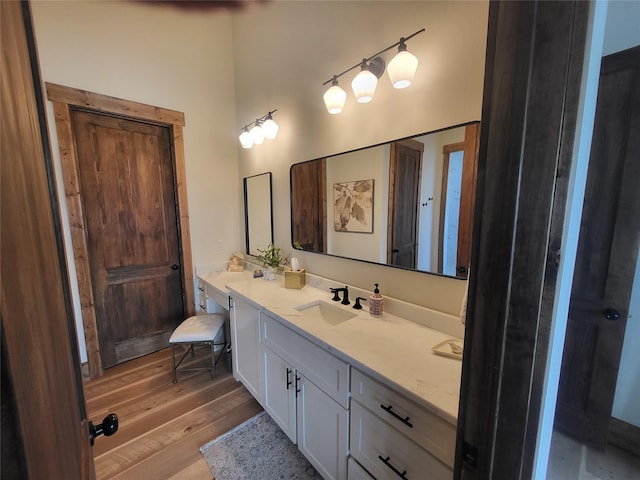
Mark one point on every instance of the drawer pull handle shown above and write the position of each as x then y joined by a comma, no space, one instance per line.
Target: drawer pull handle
201,289
288,378
389,410
394,469
297,389
203,307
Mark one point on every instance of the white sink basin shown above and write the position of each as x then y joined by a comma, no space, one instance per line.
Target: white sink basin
325,312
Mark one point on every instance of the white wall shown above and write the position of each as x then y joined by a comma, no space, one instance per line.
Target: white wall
285,51
371,163
159,55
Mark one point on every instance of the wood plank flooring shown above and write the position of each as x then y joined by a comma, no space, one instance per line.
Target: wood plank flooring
162,424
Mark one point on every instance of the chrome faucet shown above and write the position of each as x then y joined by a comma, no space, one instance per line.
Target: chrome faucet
345,297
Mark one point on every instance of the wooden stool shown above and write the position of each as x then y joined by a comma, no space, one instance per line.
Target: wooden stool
199,330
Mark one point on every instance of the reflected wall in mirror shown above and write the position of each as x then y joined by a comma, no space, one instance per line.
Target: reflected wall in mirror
258,213
423,202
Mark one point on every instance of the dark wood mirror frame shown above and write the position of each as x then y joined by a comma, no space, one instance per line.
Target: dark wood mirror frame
396,237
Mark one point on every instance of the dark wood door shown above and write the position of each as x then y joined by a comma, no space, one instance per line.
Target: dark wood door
126,176
467,198
467,195
606,257
42,398
308,205
405,169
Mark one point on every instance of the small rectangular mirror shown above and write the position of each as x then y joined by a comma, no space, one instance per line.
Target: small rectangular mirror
258,212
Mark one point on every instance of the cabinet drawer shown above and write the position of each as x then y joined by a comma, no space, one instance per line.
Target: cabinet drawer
387,454
423,427
218,296
323,369
356,472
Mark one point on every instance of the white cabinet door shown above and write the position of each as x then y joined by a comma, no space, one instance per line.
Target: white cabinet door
245,337
323,429
279,391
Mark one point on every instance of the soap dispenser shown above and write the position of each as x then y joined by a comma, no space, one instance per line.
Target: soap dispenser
375,302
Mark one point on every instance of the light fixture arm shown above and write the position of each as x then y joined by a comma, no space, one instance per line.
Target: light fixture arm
260,120
368,59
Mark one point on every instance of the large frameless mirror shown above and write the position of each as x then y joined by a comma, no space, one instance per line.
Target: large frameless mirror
406,203
258,213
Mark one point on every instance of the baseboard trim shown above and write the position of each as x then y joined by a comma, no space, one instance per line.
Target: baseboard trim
624,435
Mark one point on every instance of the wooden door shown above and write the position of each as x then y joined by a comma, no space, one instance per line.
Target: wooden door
464,221
606,256
530,126
309,205
44,402
126,183
467,198
405,168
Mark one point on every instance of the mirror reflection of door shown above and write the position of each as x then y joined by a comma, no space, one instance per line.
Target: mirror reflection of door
457,203
405,168
309,206
450,208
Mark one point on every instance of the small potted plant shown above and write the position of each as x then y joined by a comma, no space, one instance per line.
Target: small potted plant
271,259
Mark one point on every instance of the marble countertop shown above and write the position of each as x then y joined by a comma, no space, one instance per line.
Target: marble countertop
389,348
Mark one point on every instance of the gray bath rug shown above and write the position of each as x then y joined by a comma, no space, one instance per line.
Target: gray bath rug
257,450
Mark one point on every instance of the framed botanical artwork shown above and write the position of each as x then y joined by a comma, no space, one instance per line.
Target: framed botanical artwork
353,206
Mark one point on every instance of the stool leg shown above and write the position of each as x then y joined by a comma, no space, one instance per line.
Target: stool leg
173,358
213,360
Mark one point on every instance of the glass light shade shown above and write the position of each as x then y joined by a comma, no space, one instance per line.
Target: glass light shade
257,135
402,68
364,86
270,129
245,139
334,98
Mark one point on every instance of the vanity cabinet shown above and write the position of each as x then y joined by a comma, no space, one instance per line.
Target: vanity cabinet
356,472
245,338
391,436
305,392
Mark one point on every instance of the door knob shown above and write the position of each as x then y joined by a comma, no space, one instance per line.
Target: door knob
174,267
108,427
611,314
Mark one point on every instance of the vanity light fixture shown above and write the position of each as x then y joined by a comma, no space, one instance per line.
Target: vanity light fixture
257,135
335,97
402,67
245,138
401,70
263,128
270,128
364,84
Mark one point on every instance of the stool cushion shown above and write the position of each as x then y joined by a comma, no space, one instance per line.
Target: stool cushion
198,328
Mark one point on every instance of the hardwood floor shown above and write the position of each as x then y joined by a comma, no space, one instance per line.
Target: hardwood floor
163,425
